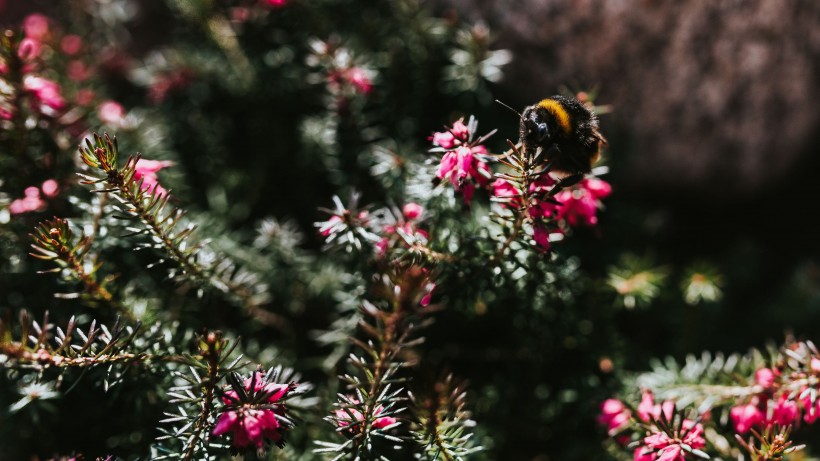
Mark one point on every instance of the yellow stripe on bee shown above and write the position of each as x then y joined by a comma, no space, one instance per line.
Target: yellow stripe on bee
557,110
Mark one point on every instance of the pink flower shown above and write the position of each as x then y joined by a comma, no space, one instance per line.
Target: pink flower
146,170
29,49
580,204
764,377
344,419
274,3
463,169
504,189
111,113
412,210
541,236
71,44
46,93
456,135
785,411
50,188
31,201
648,410
428,297
815,364
358,78
35,26
745,417
614,415
661,447
810,411
248,423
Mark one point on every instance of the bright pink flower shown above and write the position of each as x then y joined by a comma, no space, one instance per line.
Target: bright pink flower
456,135
31,201
46,93
428,297
810,412
412,210
344,418
614,415
50,188
580,204
662,447
648,410
358,78
764,377
463,169
35,26
785,411
111,113
5,114
541,236
29,49
745,417
506,190
249,424
274,3
146,170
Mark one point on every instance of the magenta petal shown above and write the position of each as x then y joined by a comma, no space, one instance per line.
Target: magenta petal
225,422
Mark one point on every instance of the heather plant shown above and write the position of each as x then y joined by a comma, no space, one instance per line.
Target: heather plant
277,230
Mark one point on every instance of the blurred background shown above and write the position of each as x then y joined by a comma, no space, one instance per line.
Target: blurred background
709,242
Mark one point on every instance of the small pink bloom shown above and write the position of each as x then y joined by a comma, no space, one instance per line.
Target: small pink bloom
50,188
248,424
35,26
745,417
31,201
344,419
764,377
671,453
274,3
45,92
412,210
597,187
5,114
444,139
146,170
785,411
111,113
428,297
506,190
359,79
614,415
71,44
541,237
29,49
456,135
815,364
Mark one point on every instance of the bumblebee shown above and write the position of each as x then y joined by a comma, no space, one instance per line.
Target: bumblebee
565,131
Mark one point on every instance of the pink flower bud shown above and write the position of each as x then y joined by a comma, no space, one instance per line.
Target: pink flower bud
412,210
35,26
50,188
745,417
765,377
111,113
28,49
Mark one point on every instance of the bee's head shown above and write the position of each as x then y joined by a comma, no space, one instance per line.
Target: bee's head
534,126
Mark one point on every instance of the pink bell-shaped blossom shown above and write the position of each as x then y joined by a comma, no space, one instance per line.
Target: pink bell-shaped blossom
745,417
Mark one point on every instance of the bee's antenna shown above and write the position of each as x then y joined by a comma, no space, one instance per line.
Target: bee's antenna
508,107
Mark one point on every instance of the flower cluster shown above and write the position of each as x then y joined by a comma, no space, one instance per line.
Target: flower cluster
32,199
349,417
464,161
667,436
253,413
146,171
402,230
